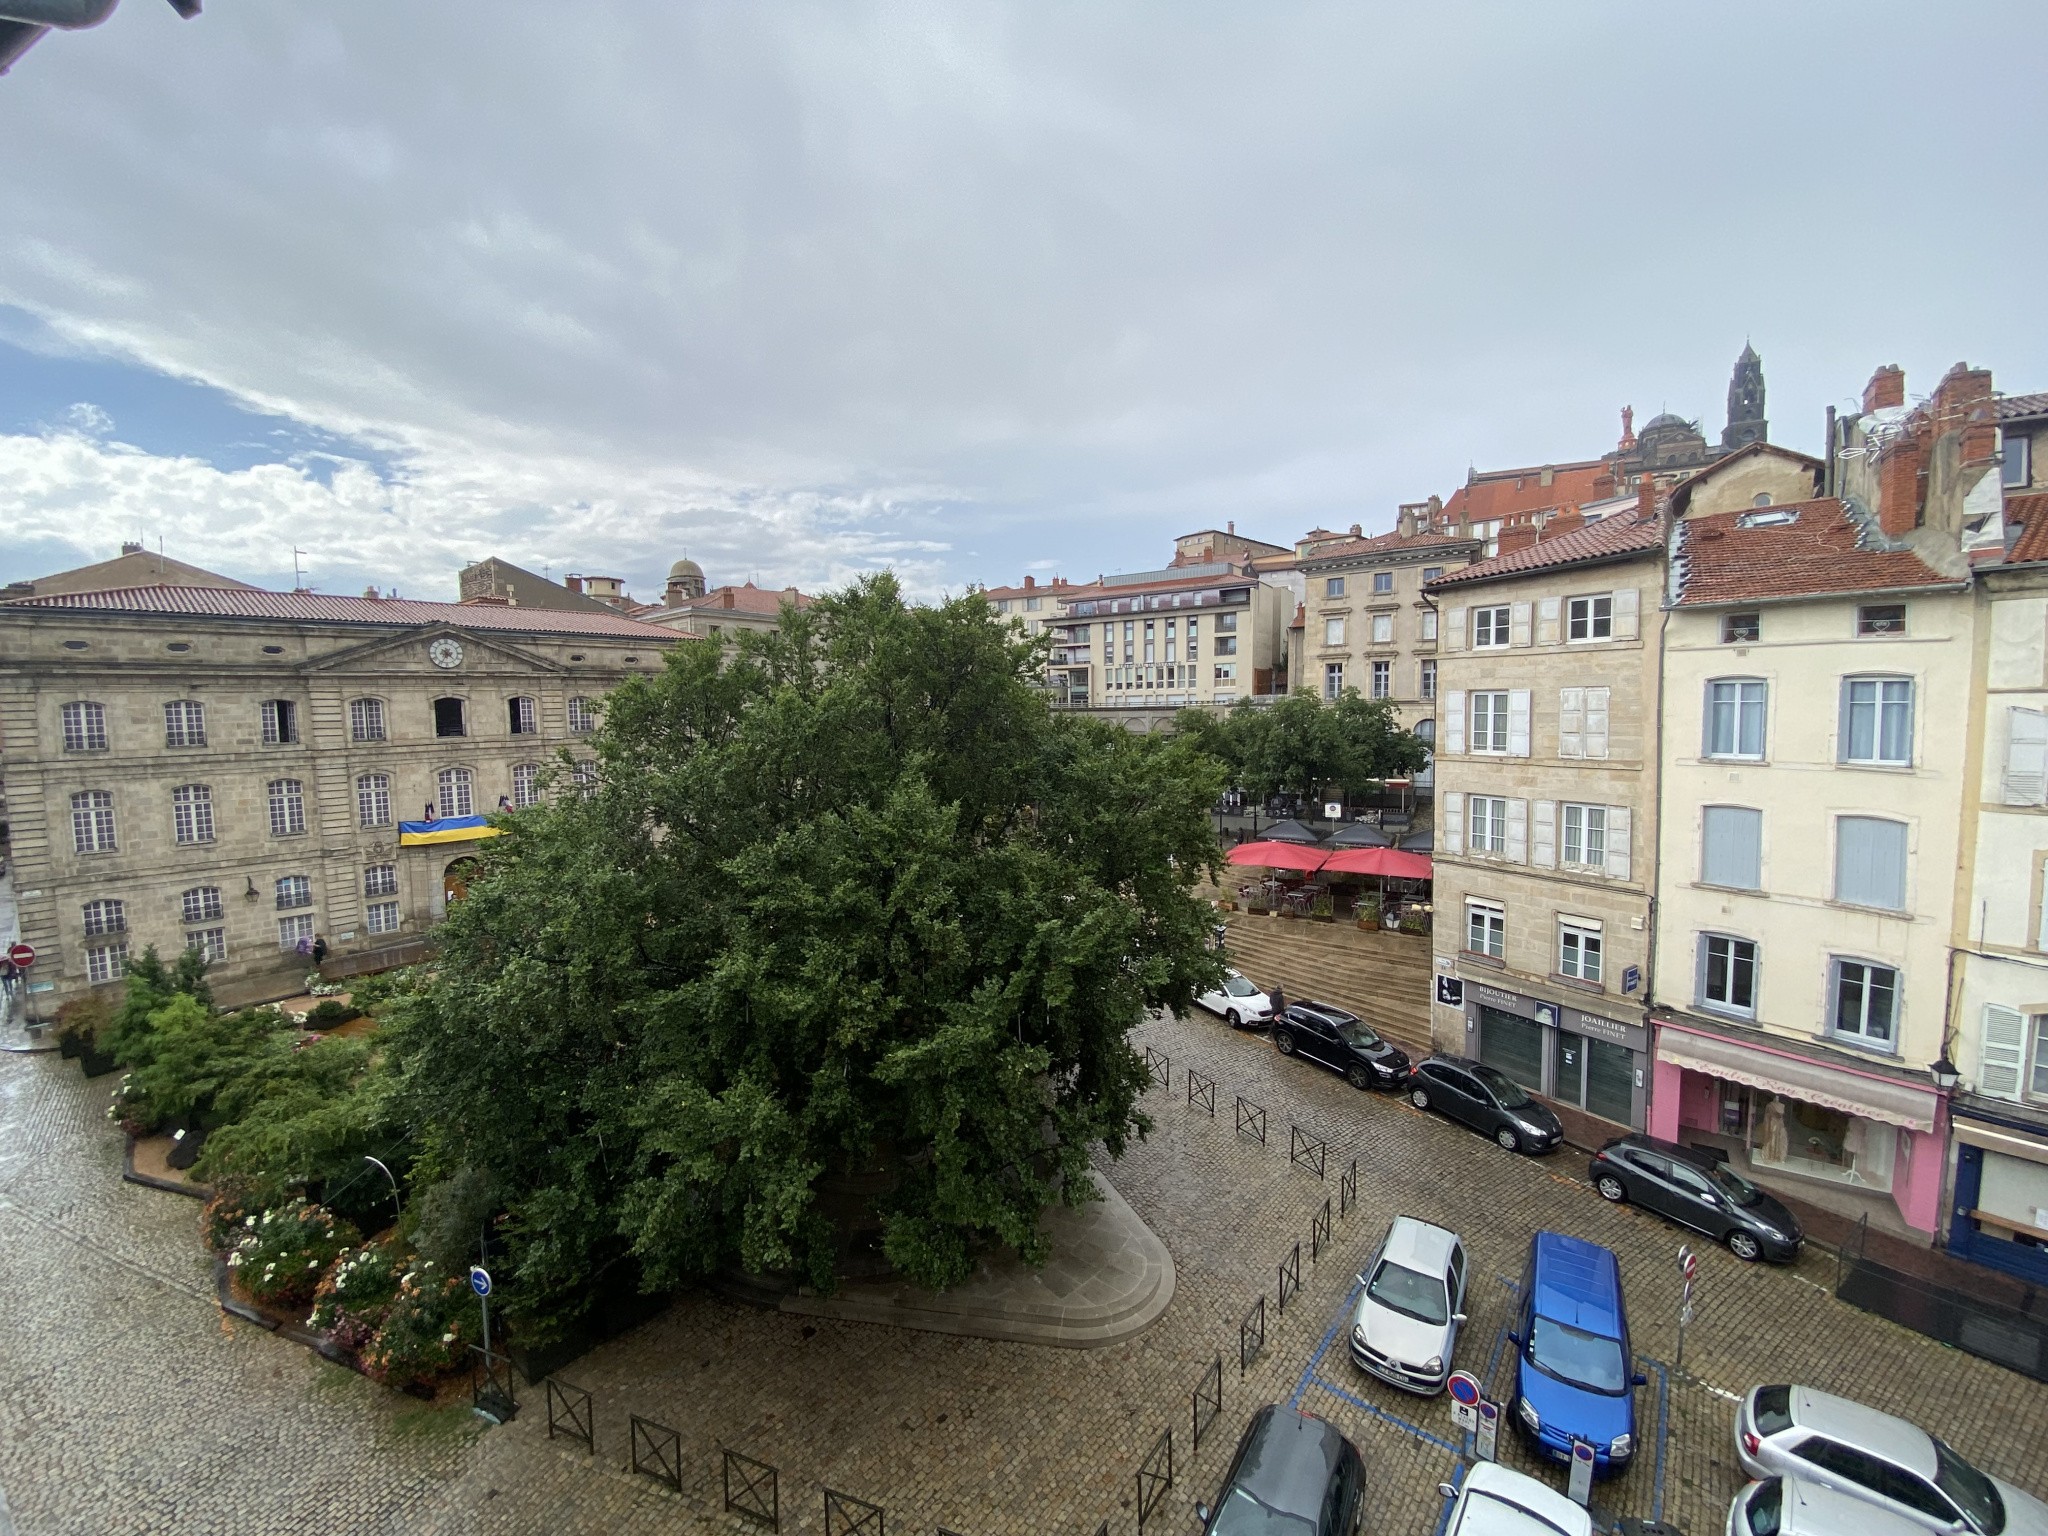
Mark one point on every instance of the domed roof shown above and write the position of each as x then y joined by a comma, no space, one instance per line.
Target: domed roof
685,568
1668,420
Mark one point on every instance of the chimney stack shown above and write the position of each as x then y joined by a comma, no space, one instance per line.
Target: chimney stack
1887,388
1646,497
131,547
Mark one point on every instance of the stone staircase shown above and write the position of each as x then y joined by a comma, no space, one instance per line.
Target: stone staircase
1384,978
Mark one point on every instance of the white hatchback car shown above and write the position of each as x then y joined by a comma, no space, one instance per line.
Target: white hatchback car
1411,1307
1242,1004
1497,1502
1791,1506
1784,1431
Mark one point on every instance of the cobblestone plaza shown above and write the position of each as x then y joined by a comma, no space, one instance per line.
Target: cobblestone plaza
129,1403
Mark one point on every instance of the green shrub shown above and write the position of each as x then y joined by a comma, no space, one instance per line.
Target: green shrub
185,1057
426,1331
329,1013
282,1255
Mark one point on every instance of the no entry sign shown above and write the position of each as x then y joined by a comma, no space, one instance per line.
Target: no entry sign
23,955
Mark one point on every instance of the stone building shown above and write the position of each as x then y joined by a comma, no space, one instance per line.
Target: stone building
721,613
228,768
1546,804
1206,633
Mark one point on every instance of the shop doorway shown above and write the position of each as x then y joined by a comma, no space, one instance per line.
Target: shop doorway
1512,1044
1598,1076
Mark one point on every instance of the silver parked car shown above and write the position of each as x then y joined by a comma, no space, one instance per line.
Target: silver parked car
1411,1307
1785,1431
1495,1501
1791,1506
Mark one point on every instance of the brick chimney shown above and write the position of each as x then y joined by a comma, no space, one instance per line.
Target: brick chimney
1521,536
1030,581
1646,497
1887,388
1962,403
573,583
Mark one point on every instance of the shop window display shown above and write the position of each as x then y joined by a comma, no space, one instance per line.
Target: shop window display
1819,1142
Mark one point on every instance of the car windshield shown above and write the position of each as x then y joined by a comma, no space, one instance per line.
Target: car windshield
1733,1185
1242,1515
1237,986
1505,1089
1970,1489
1496,1516
1581,1358
1409,1292
1358,1034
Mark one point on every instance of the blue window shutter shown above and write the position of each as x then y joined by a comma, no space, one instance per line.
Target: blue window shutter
1870,862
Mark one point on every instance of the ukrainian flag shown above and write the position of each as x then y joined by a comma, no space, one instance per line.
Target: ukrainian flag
449,829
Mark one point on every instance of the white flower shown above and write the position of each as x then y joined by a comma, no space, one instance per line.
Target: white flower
249,1220
447,1338
235,1260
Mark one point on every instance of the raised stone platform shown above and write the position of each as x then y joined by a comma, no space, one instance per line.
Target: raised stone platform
1109,1278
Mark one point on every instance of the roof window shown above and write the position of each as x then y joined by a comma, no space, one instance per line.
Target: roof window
1770,517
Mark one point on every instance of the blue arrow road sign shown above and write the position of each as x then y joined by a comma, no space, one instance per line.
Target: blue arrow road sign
479,1279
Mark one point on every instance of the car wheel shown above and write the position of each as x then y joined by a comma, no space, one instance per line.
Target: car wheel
1419,1097
1283,1042
1611,1188
1508,1139
1359,1078
1231,1019
1744,1247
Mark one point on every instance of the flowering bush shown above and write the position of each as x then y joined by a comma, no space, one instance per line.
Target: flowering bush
425,1332
130,1109
318,985
281,1255
356,1293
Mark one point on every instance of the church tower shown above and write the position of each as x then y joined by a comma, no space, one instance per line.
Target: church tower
1746,422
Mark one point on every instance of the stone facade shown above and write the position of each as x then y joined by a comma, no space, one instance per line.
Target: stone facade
208,841
1546,783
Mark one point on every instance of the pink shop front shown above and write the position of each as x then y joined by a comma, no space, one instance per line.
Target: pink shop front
1853,1138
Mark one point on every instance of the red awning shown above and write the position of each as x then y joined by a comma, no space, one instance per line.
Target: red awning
1379,861
1280,856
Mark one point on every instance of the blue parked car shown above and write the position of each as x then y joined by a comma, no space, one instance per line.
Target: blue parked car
1574,1376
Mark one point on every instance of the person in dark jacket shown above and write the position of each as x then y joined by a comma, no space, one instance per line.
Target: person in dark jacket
319,948
1279,999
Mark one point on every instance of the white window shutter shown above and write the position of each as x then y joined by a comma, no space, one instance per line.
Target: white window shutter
1546,621
1571,722
1518,831
1518,722
1518,624
1618,819
1627,602
1454,722
1453,636
1596,722
1453,815
2001,1052
1543,842
2026,757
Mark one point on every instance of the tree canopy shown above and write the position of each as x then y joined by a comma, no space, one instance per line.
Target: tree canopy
851,901
1301,745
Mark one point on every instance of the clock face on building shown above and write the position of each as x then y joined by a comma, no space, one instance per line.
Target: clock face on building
445,652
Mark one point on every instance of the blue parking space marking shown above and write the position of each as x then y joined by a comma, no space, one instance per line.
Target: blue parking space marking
1329,1337
1457,1480
1381,1414
1663,1432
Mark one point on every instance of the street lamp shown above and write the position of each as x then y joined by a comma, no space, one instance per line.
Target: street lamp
1945,1073
397,1213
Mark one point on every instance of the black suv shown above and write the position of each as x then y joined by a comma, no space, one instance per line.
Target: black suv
1486,1099
1293,1472
1340,1040
1696,1189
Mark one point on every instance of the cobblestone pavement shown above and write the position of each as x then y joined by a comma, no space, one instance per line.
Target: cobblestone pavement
128,1404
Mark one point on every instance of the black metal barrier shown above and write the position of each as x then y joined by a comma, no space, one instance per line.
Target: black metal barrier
1975,1324
1306,1151
1201,1090
847,1516
1290,1276
753,1489
1159,1067
571,1415
1347,1189
490,1384
1251,1119
1319,1231
1208,1394
1155,1476
658,1452
1251,1336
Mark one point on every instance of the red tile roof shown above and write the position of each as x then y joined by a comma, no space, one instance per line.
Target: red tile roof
2030,512
745,599
1388,543
1611,538
2016,407
1822,552
1502,493
318,607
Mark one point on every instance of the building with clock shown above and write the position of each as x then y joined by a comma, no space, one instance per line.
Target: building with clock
191,763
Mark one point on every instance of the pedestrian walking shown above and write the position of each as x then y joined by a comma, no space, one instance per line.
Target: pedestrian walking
319,947
1279,998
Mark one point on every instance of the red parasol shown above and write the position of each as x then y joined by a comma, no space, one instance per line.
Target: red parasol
1282,856
1378,861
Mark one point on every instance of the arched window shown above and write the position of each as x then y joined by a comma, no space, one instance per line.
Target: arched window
287,807
458,793
525,785
582,716
105,916
192,813
92,821
525,715
85,727
373,800
365,719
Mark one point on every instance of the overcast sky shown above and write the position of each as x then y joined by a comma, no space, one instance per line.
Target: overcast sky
968,290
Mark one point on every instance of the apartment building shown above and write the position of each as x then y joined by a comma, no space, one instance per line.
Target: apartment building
1546,809
1819,658
232,770
1365,622
1208,632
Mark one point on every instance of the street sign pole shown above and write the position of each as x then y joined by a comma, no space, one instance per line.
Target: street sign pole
1488,1446
1688,1266
1580,1488
22,956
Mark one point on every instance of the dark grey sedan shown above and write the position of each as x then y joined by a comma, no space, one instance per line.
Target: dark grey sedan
1697,1190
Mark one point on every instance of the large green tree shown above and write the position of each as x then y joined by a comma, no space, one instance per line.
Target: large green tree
1303,746
852,900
